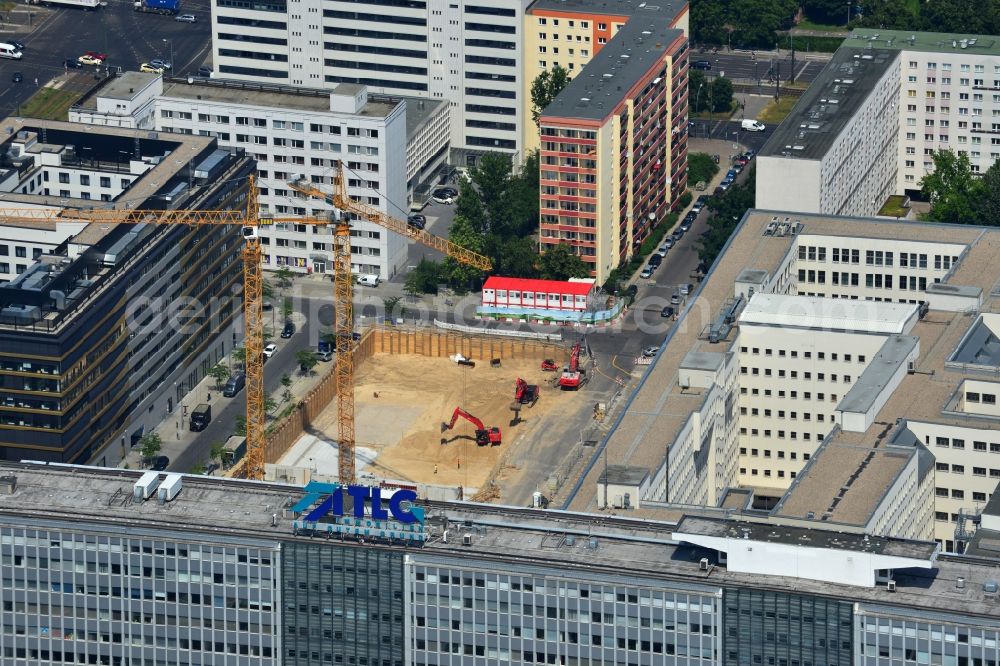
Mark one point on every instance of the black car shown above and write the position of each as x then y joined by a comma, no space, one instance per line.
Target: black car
691,216
18,77
685,226
451,191
677,235
655,261
72,63
667,311
703,65
289,330
160,463
417,221
205,72
631,291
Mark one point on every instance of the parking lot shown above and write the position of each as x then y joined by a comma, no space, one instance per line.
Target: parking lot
128,38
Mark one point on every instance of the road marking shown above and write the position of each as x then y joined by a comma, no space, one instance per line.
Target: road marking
614,363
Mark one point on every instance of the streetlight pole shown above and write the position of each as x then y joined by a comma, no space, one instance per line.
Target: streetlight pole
697,97
849,3
171,43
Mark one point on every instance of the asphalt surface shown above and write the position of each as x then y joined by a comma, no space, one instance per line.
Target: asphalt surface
745,67
225,410
129,38
731,130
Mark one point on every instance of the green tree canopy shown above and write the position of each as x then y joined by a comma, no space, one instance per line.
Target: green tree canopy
701,167
150,445
545,88
722,94
559,263
986,208
830,12
424,278
951,188
725,213
742,23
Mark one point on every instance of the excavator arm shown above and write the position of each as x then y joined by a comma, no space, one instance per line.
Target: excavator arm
459,412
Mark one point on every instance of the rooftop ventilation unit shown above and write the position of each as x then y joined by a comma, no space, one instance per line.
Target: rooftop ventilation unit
466,539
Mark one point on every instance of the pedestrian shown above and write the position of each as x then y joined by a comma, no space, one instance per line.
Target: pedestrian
459,463
36,81
435,469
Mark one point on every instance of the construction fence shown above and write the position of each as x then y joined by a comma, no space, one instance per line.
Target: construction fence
393,340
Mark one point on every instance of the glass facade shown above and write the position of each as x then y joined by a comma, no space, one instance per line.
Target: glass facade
778,629
343,605
924,638
474,615
70,596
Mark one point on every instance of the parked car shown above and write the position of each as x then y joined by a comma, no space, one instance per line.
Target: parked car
702,200
269,350
417,221
697,207
690,217
442,197
186,18
650,352
677,235
723,186
675,298
667,311
662,252
668,242
160,463
162,64
655,260
288,330
631,291
234,385
731,174
647,272
686,289
148,67
685,226
18,77
205,72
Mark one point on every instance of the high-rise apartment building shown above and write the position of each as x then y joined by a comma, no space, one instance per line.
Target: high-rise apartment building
93,348
298,133
569,33
229,572
613,158
868,125
467,53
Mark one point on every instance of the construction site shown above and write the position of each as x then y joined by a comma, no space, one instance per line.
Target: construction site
442,409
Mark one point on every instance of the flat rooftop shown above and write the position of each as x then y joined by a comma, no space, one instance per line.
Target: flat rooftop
658,408
594,93
807,537
624,8
938,42
210,509
126,86
826,314
829,104
257,94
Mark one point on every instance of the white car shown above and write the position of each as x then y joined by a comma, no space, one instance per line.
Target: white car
186,18
650,352
269,350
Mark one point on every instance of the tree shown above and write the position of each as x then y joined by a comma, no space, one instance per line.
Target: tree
831,12
286,308
514,257
464,235
888,15
698,90
284,276
306,360
239,355
559,263
391,303
721,91
286,380
217,451
220,373
743,24
986,207
424,278
240,426
701,167
545,88
269,405
951,188
726,213
150,445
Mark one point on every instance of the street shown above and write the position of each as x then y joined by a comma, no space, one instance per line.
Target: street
741,66
129,38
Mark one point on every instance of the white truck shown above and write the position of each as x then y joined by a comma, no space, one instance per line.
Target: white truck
752,126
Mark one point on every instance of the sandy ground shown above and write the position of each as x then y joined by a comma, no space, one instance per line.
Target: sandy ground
416,394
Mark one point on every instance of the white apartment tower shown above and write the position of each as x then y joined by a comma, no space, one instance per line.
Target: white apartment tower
296,133
467,52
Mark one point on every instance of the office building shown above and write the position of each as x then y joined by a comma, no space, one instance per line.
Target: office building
299,133
869,124
93,349
832,369
466,53
230,572
569,33
613,159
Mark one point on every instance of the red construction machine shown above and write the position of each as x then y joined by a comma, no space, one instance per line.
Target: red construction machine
525,393
548,365
573,377
484,436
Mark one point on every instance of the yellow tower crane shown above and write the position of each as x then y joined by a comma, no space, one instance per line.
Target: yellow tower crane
253,315
343,295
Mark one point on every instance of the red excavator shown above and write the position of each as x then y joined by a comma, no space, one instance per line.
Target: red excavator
484,436
525,393
573,377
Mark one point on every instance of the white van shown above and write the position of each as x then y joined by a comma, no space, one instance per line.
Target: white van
368,280
753,126
9,51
